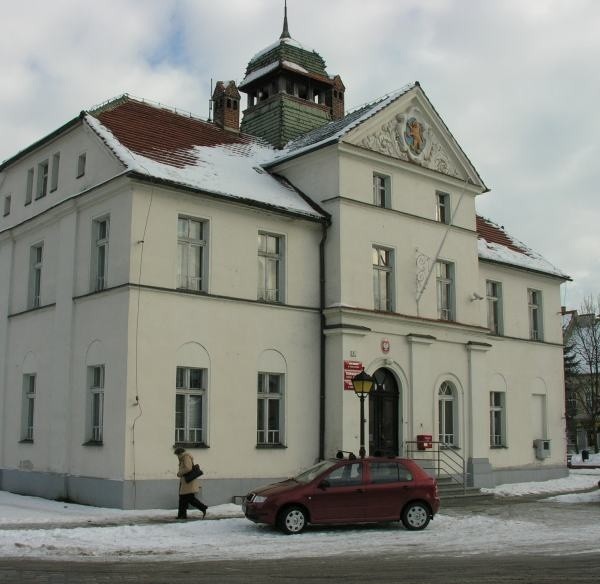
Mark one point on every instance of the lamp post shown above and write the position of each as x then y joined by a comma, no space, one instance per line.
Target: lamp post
362,384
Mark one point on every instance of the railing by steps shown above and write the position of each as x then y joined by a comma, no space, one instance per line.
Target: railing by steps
440,460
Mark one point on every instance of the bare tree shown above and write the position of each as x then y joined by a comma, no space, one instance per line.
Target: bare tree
584,386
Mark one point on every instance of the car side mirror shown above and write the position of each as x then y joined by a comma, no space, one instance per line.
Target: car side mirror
324,484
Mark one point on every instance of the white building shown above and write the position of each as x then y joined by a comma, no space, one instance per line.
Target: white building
166,280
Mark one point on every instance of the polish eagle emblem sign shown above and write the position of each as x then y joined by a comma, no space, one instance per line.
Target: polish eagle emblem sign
414,136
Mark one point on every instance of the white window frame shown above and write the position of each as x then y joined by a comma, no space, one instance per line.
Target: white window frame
381,190
100,248
268,431
497,419
447,399
270,267
446,290
7,205
55,170
28,415
36,261
495,320
29,187
534,304
442,208
42,179
96,376
189,432
382,260
81,164
187,246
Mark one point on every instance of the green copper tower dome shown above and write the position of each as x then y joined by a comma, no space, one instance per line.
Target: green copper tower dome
289,91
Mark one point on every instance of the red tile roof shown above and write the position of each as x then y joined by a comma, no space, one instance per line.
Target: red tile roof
161,134
492,233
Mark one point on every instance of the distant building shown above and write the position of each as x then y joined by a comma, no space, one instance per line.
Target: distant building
166,280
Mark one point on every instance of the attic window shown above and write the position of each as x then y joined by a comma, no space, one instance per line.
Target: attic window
259,170
7,201
81,165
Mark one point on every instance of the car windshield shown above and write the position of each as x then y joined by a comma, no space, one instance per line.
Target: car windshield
314,471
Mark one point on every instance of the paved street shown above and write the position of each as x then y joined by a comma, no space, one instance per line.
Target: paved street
582,569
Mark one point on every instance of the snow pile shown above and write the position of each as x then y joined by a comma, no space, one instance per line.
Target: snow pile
577,480
593,459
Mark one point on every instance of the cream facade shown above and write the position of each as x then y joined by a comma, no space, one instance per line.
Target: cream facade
96,331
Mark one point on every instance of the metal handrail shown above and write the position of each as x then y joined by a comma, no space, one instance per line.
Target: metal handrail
445,460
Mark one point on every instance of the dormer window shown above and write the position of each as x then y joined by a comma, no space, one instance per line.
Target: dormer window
42,182
7,201
81,160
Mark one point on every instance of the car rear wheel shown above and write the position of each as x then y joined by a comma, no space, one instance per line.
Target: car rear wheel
292,520
415,516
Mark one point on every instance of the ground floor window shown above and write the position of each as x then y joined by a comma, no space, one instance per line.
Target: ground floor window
446,415
269,409
497,419
96,401
190,395
29,387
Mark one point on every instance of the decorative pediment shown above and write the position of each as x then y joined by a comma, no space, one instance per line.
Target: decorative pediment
408,136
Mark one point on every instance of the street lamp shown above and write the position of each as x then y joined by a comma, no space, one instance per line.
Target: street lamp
362,384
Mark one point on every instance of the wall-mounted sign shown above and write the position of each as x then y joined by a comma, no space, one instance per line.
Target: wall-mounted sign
351,368
385,346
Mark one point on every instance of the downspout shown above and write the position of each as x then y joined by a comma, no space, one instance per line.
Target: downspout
325,226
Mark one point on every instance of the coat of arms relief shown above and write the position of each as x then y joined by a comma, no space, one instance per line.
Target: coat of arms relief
408,137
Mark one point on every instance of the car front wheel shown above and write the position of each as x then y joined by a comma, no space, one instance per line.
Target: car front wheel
415,516
292,520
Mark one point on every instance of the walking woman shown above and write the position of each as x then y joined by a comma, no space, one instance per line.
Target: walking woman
187,491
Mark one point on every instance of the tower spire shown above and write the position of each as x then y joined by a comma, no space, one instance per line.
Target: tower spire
285,34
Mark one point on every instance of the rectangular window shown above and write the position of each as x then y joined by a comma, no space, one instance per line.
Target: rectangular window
28,406
442,210
190,396
381,190
445,290
270,267
96,401
535,314
269,415
81,160
383,280
191,254
497,419
7,202
100,234
42,180
36,256
55,168
29,188
494,302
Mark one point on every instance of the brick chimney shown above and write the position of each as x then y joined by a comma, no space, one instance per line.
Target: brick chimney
337,98
226,100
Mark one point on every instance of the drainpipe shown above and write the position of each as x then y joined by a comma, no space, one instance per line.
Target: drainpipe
325,226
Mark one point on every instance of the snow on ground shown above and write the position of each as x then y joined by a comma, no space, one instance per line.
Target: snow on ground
146,534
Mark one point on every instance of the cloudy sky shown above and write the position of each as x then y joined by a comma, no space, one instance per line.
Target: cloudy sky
516,82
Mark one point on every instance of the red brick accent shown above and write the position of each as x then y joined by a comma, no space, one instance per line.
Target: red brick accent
337,100
226,106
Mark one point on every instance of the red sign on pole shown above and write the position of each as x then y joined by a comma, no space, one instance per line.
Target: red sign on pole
351,368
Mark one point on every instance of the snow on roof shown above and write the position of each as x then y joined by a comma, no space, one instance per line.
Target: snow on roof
495,245
287,41
158,143
259,73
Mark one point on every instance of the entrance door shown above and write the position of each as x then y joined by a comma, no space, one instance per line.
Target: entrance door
384,415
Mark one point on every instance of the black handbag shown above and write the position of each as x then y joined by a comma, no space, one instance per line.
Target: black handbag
193,474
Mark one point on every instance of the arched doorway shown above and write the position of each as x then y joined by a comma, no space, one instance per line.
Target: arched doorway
384,415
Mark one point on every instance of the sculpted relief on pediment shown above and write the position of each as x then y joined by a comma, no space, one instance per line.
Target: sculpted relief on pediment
409,137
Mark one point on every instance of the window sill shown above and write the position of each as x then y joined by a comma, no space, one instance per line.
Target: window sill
190,445
270,446
93,443
26,441
498,447
264,301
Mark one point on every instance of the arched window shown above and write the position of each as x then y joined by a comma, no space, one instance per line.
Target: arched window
447,414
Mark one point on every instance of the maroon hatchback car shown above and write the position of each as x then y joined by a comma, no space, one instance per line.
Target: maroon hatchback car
353,490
